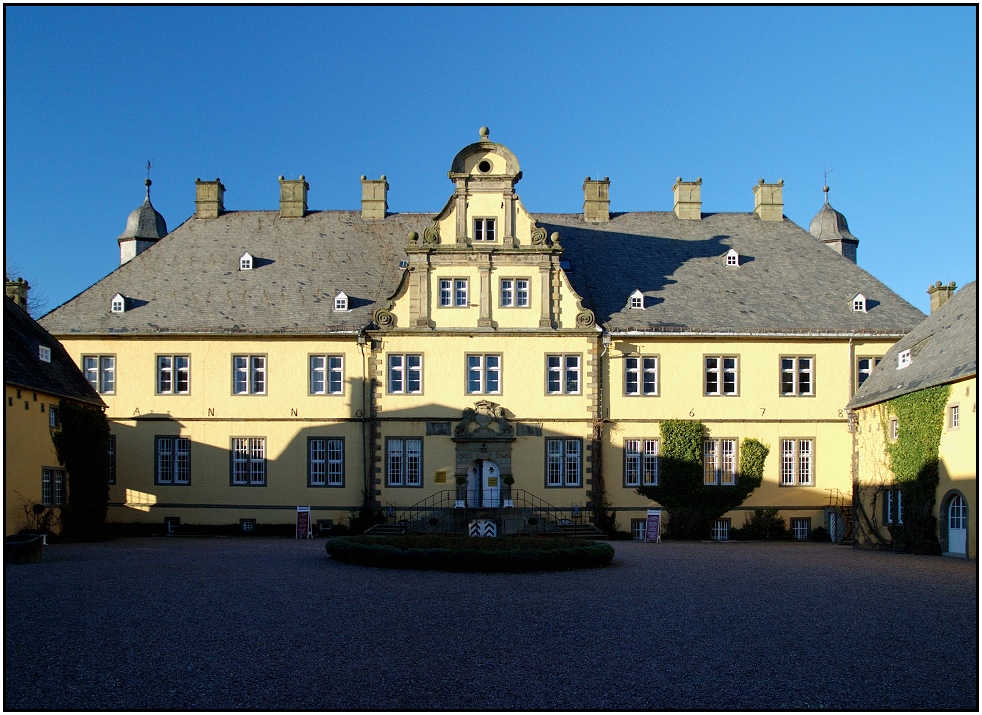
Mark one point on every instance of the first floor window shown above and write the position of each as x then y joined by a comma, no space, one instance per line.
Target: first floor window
514,292
483,374
249,374
326,462
796,376
563,462
173,460
173,374
721,530
801,528
864,367
893,506
112,459
326,374
484,229
640,462
100,371
453,292
563,374
404,462
721,375
53,418
953,417
405,374
719,461
249,460
894,429
797,462
641,376
639,528
52,486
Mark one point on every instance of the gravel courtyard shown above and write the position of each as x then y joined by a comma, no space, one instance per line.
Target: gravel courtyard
273,624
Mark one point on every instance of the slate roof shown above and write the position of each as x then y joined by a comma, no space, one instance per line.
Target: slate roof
23,368
944,348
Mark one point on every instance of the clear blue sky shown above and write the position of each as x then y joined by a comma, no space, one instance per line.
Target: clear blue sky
884,97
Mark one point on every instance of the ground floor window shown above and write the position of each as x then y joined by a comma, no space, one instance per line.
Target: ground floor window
249,461
801,528
563,462
721,530
404,462
719,461
639,528
893,506
52,486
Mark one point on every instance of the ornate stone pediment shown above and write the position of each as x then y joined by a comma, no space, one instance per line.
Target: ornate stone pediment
484,421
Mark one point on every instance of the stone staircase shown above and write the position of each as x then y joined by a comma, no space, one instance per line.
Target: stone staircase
386,530
581,531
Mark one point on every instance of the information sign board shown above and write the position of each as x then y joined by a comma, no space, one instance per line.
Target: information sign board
303,522
652,530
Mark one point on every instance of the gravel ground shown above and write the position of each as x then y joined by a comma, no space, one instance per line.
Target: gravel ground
274,624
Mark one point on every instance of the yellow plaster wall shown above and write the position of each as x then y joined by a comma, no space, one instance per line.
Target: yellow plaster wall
959,453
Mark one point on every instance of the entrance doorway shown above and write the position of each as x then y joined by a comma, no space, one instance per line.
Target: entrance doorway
483,484
957,526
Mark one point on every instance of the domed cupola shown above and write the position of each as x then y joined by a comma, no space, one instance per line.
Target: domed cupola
830,227
144,227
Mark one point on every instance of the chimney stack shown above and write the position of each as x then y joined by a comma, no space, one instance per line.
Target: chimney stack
769,201
688,199
373,197
209,199
293,197
17,292
596,199
940,294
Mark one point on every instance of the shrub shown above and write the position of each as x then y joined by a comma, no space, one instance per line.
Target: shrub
764,524
819,533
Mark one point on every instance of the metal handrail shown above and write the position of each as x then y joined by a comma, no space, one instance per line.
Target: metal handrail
837,498
525,501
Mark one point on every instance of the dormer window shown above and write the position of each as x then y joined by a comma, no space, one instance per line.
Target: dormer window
903,359
732,258
484,229
44,353
245,263
340,302
859,303
118,304
403,264
637,300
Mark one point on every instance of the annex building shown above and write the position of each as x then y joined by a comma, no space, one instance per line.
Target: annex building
481,356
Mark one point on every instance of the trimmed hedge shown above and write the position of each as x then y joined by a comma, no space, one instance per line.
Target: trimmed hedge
462,553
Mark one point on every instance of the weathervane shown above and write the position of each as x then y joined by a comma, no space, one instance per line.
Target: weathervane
148,182
825,188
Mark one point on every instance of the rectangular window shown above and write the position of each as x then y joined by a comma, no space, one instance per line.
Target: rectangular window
639,528
514,293
953,417
893,506
641,376
563,462
483,374
797,462
249,461
326,374
54,421
721,375
453,292
52,486
721,530
112,459
563,374
249,374
173,374
484,229
325,465
894,429
100,371
640,462
404,462
864,367
797,376
173,464
446,292
801,528
719,461
405,374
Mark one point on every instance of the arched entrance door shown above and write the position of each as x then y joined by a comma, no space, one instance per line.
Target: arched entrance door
957,525
483,484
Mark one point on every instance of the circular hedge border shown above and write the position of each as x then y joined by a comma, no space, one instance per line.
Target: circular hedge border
462,553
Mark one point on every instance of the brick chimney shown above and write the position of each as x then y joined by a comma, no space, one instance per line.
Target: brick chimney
596,199
940,294
769,201
688,199
293,197
373,197
17,292
209,199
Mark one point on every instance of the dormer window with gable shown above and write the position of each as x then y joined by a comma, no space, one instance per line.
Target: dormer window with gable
118,304
245,263
903,359
340,302
859,303
637,300
732,258
484,229
44,353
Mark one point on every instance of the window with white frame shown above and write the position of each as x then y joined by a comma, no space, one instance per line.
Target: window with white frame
405,374
249,374
173,460
732,258
640,462
245,262
864,368
117,304
801,528
721,530
894,428
721,375
719,462
797,376
100,371
112,459
639,528
859,303
483,374
173,374
952,416
404,462
326,374
325,462
54,421
563,374
903,359
641,375
52,487
453,292
484,229
340,302
44,353
564,458
636,300
797,462
248,461
893,506
514,293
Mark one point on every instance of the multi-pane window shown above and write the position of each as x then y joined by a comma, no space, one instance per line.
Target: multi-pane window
112,459
483,374
721,375
640,462
326,374
719,461
864,368
953,417
894,429
484,229
173,374
797,462
721,530
564,458
52,486
404,460
100,371
53,418
641,376
249,374
893,506
173,460
639,528
801,528
325,465
903,359
405,374
249,461
514,293
797,376
453,292
563,374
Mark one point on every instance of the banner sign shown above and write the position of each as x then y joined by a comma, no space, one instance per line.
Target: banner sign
303,522
652,530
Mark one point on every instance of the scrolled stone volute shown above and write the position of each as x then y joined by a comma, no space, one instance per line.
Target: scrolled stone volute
384,318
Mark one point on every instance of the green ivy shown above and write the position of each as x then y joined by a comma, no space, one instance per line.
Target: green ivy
82,445
914,463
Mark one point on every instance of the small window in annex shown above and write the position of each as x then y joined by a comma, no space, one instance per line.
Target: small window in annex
52,486
953,417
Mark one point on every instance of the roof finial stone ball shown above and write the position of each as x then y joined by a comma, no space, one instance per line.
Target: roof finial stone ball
282,178
383,178
147,182
484,131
